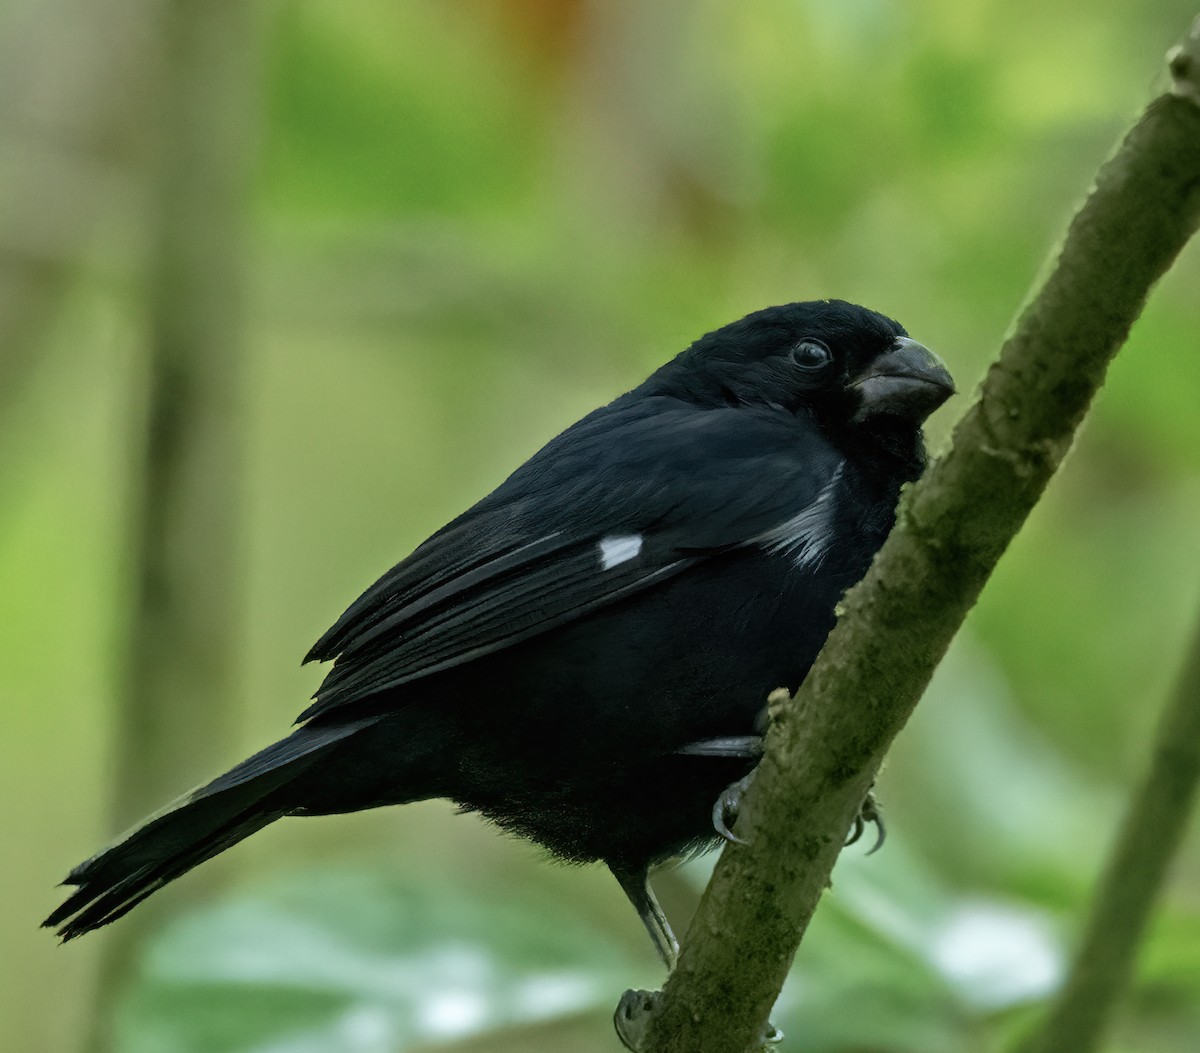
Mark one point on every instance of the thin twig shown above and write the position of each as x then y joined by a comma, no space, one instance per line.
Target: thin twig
1133,877
72,89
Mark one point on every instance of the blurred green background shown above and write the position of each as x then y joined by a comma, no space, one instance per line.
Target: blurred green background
456,227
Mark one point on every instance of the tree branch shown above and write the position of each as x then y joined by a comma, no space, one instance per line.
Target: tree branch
825,746
1150,835
71,89
180,665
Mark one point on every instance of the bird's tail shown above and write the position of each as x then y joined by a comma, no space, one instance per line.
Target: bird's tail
193,828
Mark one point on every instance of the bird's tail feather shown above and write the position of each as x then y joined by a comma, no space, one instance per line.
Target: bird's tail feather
196,827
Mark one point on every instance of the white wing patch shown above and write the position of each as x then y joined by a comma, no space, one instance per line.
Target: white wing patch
619,548
807,535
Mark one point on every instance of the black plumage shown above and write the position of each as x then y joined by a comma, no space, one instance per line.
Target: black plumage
584,655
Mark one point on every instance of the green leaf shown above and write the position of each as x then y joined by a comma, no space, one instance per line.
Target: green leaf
364,961
896,960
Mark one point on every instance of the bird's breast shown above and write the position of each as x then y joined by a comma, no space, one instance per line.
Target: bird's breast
805,537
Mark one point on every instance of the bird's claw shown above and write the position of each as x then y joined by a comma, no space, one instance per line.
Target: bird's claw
725,811
869,812
632,1020
632,1017
771,1036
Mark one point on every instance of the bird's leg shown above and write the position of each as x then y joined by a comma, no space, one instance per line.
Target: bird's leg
743,747
632,1017
750,747
636,884
633,1011
725,811
632,1021
869,812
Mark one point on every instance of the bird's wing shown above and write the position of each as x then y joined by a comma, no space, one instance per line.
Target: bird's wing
629,497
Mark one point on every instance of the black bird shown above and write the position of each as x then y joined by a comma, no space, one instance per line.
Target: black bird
584,656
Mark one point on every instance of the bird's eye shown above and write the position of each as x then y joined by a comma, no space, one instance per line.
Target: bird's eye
811,355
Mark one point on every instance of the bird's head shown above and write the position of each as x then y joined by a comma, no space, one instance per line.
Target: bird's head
844,364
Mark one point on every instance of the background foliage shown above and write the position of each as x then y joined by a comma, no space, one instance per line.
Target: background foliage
469,224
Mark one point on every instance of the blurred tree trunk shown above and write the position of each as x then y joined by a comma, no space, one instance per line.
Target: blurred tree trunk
72,90
1137,868
552,30
179,699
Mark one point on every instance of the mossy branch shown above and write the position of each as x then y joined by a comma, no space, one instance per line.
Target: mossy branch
1150,836
825,747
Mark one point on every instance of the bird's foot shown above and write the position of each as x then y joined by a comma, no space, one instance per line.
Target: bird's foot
725,811
632,1017
748,747
632,1021
771,1036
869,812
